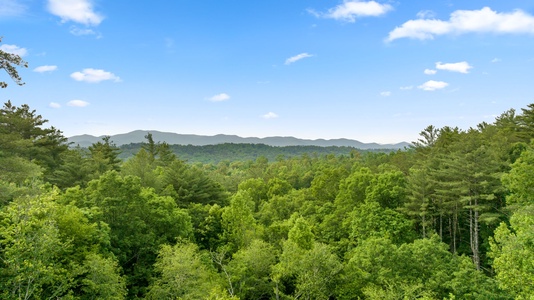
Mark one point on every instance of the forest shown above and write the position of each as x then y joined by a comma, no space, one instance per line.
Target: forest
450,218
230,152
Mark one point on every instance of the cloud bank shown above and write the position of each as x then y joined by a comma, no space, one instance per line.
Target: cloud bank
43,69
94,76
484,20
77,103
433,85
460,67
350,10
220,97
14,49
78,11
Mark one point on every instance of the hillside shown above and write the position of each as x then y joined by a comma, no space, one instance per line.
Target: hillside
214,154
138,136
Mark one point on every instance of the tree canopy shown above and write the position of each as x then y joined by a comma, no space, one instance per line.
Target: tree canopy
449,218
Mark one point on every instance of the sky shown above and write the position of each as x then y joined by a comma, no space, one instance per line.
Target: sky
373,71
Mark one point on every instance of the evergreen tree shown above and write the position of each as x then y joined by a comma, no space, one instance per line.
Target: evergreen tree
9,62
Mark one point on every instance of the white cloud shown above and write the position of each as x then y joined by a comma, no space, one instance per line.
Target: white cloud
14,49
219,97
270,115
484,20
385,94
426,14
54,105
461,67
94,76
43,69
350,10
11,8
79,31
430,72
79,11
297,58
77,103
433,85
496,60
405,88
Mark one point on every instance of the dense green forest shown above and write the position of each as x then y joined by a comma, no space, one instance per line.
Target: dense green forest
450,218
214,154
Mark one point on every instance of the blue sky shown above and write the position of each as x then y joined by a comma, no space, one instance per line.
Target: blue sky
374,71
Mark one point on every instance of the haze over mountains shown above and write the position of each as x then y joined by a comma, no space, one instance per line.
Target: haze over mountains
138,136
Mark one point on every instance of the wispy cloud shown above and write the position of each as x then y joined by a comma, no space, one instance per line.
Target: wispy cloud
219,97
270,115
430,72
11,8
43,69
385,94
484,20
426,14
460,67
496,60
350,10
433,85
14,49
94,76
82,31
297,58
54,105
78,103
406,88
78,11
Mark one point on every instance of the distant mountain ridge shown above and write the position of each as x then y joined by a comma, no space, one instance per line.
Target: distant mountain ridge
170,138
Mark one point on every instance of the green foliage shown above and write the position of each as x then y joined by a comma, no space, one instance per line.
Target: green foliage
308,273
378,268
184,273
50,250
419,189
325,185
9,62
82,224
142,165
102,280
519,181
353,190
250,271
388,189
207,225
372,220
189,184
301,234
139,220
512,250
239,225
24,142
104,157
33,250
215,154
75,169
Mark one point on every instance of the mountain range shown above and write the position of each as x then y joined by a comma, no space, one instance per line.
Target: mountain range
170,138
